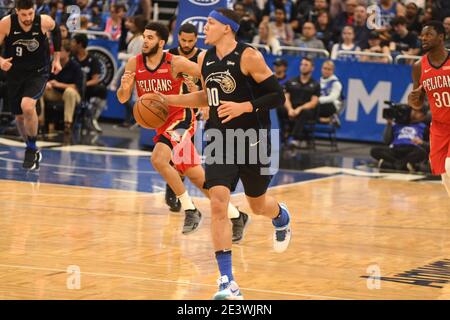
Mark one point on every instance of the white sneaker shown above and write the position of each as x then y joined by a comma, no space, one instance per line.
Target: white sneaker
227,290
282,235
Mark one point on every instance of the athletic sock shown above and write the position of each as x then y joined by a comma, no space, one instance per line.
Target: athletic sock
281,220
233,212
31,143
223,258
186,202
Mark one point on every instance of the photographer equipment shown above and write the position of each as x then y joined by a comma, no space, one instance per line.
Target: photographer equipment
399,112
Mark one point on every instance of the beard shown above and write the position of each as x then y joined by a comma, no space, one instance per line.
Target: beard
152,51
186,52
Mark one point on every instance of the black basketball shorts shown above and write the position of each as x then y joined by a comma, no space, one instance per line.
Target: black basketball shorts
238,160
27,84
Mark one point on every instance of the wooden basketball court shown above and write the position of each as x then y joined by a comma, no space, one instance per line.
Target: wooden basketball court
69,242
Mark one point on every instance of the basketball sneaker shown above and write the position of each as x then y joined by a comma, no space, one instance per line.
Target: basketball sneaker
239,225
32,159
171,200
282,235
192,220
228,290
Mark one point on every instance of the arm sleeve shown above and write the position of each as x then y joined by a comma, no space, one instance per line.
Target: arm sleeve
273,97
334,95
56,38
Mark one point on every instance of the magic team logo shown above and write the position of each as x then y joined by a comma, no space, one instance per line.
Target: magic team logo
107,62
204,3
31,45
224,79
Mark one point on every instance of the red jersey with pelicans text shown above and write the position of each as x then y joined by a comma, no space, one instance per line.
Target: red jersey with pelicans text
160,80
436,83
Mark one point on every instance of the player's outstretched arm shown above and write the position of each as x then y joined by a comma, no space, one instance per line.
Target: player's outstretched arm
416,96
191,100
196,99
127,81
183,65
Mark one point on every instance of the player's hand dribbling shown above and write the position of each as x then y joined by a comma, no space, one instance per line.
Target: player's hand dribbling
6,64
127,80
231,110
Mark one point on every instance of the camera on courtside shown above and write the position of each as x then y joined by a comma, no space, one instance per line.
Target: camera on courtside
399,112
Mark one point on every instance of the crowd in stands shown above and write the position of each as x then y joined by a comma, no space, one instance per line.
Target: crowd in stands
387,27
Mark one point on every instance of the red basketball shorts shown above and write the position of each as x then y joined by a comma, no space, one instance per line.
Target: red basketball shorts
439,147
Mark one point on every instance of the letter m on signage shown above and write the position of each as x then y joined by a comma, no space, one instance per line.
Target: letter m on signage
358,95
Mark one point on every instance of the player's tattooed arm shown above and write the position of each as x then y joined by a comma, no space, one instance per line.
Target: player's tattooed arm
127,81
416,96
182,65
196,99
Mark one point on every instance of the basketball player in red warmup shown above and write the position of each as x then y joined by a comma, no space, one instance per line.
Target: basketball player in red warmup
157,71
431,76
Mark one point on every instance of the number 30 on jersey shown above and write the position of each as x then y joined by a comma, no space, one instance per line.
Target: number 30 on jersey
442,99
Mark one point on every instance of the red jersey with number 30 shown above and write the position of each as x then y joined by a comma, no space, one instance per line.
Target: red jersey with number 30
436,83
160,80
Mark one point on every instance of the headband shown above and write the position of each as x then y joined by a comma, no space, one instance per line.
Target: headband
224,20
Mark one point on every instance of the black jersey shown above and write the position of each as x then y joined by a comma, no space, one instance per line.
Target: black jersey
194,58
225,81
29,50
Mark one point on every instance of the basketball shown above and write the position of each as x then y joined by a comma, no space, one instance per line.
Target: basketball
150,111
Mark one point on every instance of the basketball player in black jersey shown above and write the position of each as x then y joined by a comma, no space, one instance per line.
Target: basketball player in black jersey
239,89
27,67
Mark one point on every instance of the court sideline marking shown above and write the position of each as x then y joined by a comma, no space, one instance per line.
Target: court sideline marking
111,275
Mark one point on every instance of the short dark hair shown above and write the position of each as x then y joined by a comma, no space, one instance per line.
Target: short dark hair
280,6
81,38
230,14
161,30
309,59
119,6
24,4
188,28
438,26
280,62
65,44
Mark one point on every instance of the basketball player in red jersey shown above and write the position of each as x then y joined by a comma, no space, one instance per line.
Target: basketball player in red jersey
157,71
431,76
